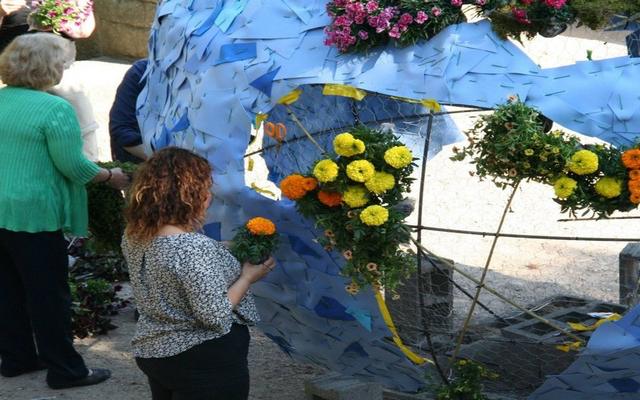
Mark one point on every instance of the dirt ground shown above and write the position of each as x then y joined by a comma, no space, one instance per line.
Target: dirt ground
524,270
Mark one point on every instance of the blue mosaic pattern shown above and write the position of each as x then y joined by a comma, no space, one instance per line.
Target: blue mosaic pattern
215,64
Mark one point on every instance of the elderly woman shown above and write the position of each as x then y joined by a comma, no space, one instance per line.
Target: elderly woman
42,176
192,337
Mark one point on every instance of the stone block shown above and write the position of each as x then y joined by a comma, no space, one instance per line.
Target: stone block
334,386
629,264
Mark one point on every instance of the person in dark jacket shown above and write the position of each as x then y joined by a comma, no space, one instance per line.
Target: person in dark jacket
126,139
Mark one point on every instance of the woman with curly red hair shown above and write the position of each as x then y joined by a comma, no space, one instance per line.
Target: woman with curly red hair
192,294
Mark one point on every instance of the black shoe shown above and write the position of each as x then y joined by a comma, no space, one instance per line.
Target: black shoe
96,375
39,366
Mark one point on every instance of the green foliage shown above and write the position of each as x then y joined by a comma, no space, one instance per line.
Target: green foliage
467,382
374,254
534,17
106,206
93,301
255,249
509,146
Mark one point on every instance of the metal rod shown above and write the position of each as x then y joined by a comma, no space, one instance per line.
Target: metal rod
496,293
485,271
523,236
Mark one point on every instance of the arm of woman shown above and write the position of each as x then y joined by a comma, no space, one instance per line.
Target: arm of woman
65,148
211,299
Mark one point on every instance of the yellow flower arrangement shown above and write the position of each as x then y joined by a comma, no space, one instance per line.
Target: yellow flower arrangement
293,187
398,156
355,196
374,215
564,187
380,183
608,187
326,171
583,162
346,145
360,170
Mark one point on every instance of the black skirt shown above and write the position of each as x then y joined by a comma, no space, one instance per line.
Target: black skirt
215,369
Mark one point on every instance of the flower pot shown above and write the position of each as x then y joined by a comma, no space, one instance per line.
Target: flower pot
553,29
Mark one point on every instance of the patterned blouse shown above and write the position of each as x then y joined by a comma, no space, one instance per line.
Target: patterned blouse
180,287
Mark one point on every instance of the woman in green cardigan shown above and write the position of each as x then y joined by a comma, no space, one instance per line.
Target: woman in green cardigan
42,176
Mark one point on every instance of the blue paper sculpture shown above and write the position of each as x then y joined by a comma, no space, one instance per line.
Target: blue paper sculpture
215,65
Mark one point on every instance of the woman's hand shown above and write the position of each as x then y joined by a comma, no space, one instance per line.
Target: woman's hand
119,180
254,273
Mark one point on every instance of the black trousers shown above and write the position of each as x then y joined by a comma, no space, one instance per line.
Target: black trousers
35,302
214,370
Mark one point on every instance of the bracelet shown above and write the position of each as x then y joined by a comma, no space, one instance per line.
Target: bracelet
108,177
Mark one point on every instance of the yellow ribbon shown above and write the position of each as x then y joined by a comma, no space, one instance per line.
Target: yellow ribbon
567,347
291,97
416,359
260,118
586,328
262,191
332,89
431,104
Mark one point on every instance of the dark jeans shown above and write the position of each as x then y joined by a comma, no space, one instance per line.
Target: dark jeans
214,370
35,302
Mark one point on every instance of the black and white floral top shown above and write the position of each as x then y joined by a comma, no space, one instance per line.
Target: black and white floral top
180,287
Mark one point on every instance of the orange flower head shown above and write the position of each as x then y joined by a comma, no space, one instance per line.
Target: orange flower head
330,199
372,266
631,159
634,174
261,226
310,184
347,254
634,187
293,187
329,233
635,198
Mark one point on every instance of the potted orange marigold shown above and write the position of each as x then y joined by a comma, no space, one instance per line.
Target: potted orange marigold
255,241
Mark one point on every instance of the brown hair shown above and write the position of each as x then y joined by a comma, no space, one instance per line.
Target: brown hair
170,188
35,61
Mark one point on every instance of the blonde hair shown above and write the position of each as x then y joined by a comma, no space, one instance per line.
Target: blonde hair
35,61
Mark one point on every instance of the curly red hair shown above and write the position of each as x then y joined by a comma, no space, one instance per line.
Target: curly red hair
171,188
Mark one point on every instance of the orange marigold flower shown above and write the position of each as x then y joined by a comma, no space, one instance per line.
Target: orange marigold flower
635,198
634,187
634,174
293,187
330,199
631,158
310,184
261,226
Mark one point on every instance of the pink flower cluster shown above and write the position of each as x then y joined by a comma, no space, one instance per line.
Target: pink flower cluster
355,20
557,4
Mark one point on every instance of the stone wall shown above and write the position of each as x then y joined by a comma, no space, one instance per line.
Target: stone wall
122,29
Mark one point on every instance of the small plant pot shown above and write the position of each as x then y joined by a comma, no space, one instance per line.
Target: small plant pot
553,29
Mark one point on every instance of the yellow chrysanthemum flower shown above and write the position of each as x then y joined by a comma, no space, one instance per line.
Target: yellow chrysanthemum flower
374,215
346,145
355,196
381,182
326,171
583,162
564,187
360,170
609,187
398,156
